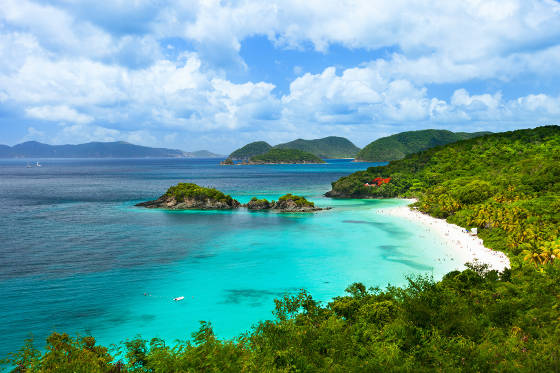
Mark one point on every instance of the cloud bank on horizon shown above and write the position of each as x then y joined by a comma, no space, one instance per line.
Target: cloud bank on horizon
218,74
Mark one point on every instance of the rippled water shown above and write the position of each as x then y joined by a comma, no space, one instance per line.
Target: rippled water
77,256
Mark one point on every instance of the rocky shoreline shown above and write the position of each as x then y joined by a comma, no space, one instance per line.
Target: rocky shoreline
282,206
336,194
191,204
171,203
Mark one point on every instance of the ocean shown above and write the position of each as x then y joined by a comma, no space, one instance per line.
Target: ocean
77,256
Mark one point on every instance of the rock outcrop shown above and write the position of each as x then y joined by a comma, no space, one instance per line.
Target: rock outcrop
170,202
286,203
259,204
227,162
291,206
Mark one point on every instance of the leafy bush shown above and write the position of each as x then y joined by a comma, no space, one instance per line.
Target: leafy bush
299,200
193,191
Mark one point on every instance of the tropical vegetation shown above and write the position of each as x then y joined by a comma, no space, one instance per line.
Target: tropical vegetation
184,191
298,200
398,146
276,155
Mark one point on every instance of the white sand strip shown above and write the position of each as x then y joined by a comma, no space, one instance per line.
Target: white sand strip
458,241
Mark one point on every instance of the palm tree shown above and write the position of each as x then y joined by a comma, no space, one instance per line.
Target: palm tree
531,253
550,251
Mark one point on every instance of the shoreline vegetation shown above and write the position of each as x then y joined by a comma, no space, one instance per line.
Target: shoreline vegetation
506,185
189,196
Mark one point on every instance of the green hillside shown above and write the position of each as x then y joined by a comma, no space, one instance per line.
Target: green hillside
276,155
328,147
398,146
506,184
250,150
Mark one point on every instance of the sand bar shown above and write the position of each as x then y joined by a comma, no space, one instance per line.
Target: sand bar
459,242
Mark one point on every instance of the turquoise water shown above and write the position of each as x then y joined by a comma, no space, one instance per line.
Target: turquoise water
77,256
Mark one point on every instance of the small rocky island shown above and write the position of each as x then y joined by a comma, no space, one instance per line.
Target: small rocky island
286,203
184,196
189,196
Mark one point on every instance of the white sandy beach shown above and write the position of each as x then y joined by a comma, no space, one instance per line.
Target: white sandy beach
459,243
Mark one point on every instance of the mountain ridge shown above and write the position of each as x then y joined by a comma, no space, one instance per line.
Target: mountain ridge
96,149
326,147
399,145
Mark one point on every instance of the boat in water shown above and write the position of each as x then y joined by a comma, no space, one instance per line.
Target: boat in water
178,299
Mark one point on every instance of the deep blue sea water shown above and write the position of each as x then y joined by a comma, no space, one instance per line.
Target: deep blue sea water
76,256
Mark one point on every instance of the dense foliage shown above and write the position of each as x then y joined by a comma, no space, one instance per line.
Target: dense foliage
475,320
400,145
506,184
275,155
257,200
328,147
193,191
250,150
298,200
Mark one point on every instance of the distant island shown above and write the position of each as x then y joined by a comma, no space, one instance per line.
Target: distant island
190,196
327,147
278,156
118,149
285,156
385,149
398,146
250,150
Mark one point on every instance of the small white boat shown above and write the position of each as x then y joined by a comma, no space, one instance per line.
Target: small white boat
38,165
178,299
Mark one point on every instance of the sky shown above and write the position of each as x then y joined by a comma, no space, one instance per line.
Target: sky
218,74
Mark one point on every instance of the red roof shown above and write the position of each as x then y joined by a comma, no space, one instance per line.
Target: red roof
380,181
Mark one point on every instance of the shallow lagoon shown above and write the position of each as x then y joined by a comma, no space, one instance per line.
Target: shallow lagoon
77,256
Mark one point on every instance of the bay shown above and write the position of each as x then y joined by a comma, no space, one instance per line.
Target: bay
76,255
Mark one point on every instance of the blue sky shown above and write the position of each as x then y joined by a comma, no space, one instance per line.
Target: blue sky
218,74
